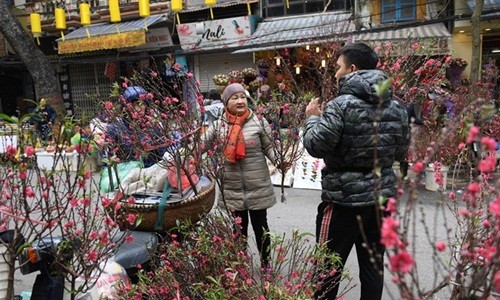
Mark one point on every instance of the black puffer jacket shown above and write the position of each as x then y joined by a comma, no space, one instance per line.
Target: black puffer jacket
357,129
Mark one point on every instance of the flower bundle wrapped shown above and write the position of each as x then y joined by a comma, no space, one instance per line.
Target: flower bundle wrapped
263,66
263,63
458,63
235,76
254,84
250,73
221,79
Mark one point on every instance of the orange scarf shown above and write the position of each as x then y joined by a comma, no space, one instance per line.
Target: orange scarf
235,147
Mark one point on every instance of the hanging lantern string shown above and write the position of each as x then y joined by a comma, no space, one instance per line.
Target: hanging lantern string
37,40
287,4
178,18
87,31
248,8
211,13
145,24
117,28
62,35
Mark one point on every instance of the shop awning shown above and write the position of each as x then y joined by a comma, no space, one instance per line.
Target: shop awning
108,36
437,30
295,31
433,37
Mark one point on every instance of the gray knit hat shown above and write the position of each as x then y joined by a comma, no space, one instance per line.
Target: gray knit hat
230,90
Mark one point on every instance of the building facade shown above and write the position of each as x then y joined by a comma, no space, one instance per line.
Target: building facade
232,34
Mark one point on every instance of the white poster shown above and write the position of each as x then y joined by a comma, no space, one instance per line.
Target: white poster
216,34
308,172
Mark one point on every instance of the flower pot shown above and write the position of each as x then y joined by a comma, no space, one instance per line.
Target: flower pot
435,181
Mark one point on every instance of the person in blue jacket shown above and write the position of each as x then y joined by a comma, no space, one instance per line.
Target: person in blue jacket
119,132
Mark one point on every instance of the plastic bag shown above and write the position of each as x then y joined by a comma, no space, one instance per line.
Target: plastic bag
122,168
172,176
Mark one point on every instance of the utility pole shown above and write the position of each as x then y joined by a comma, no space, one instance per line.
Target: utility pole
475,66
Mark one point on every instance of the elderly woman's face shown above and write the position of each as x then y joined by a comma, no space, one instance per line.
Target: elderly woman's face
237,104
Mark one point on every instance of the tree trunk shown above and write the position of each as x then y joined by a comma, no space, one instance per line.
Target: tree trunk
475,66
43,73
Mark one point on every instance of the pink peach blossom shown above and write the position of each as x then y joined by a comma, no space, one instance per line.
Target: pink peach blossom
418,167
495,207
473,132
440,246
29,151
401,262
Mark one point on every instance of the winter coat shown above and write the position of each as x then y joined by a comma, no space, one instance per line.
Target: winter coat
120,134
247,183
356,129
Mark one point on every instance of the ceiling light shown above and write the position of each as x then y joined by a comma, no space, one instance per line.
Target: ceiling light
495,51
487,29
461,31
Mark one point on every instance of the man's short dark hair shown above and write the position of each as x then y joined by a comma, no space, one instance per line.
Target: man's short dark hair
360,55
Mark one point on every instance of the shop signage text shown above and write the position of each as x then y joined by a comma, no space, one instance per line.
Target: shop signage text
215,34
156,38
112,41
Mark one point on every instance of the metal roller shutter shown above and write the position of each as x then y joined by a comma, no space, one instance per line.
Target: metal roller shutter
88,88
208,65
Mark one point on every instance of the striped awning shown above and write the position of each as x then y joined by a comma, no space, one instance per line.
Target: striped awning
437,30
295,31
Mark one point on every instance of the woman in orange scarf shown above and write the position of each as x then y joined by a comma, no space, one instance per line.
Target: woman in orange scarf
247,188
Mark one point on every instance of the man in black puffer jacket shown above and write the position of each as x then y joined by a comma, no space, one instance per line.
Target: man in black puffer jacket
359,135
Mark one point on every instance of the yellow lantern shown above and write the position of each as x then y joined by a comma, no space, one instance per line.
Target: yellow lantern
60,20
114,11
176,6
144,8
36,26
211,3
85,16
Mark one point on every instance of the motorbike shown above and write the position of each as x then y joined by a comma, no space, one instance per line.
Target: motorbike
40,256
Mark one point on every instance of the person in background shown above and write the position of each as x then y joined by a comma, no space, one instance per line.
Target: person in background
44,118
358,132
248,190
120,133
413,119
213,107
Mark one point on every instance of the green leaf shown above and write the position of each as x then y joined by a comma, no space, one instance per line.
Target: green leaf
383,87
7,118
382,200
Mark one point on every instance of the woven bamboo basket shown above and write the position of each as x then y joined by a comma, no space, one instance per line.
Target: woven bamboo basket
191,209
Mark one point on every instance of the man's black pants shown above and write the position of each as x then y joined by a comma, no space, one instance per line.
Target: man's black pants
342,227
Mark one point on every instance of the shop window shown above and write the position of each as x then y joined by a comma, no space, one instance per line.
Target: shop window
398,10
276,8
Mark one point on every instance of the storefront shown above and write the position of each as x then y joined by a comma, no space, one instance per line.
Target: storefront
208,46
93,59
